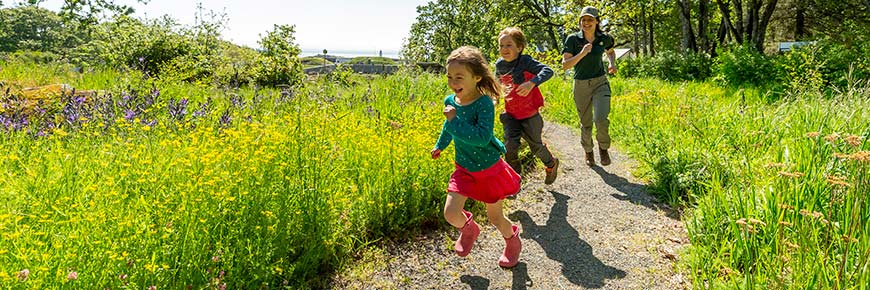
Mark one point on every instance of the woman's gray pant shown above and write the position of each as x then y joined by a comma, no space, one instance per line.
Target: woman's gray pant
592,100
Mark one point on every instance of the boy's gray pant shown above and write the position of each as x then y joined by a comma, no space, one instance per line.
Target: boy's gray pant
592,100
529,129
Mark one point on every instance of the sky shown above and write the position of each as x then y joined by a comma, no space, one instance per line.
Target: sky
341,27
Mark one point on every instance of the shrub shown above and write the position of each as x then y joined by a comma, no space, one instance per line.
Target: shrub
743,65
279,64
669,66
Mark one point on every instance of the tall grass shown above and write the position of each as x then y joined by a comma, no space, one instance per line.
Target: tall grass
777,191
266,189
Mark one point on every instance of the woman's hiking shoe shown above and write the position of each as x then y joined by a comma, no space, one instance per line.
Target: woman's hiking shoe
590,159
512,248
467,235
605,157
552,172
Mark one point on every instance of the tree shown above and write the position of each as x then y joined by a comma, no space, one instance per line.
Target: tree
747,23
444,25
643,24
542,21
280,63
844,20
30,28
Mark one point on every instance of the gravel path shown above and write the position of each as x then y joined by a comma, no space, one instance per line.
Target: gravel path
594,228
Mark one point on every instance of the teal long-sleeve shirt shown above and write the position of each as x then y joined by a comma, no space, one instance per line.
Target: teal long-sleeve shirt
471,130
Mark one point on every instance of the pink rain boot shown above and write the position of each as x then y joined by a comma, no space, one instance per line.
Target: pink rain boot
467,235
512,248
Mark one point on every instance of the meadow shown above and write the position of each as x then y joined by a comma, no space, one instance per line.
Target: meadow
168,185
160,184
773,186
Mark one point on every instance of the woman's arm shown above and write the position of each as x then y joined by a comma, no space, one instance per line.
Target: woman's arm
611,59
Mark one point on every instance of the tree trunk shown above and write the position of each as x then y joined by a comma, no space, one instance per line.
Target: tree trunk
800,21
738,20
725,10
651,40
703,22
554,39
762,24
635,44
643,21
688,41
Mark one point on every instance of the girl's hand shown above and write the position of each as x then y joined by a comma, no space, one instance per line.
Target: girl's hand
449,112
611,69
435,153
524,89
586,48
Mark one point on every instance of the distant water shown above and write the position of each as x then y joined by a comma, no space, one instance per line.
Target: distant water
351,53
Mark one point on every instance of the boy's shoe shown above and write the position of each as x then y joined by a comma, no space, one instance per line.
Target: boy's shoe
605,157
552,172
590,159
512,248
467,235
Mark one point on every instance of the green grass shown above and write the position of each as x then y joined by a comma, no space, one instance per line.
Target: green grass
372,60
776,190
294,186
299,181
313,61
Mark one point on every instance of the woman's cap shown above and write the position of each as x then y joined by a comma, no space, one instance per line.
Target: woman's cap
589,10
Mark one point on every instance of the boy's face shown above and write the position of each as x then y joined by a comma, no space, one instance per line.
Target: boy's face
507,48
462,81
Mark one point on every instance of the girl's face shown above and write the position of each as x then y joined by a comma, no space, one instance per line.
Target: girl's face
508,48
462,81
587,23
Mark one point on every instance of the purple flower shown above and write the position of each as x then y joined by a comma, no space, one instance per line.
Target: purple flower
129,114
225,119
73,275
177,110
236,100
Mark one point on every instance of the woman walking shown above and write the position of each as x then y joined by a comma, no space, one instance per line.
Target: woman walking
583,51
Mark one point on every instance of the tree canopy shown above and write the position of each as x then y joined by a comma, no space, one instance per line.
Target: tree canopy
645,26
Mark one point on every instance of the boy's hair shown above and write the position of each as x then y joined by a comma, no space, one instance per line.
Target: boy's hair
517,35
472,59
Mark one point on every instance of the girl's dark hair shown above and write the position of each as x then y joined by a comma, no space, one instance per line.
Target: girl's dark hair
471,58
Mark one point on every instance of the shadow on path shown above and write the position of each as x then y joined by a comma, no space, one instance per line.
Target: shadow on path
475,282
633,192
562,243
521,276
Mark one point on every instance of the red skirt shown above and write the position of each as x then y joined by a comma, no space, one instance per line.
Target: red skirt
489,185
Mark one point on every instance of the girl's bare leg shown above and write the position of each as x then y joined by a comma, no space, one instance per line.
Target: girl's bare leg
453,209
495,213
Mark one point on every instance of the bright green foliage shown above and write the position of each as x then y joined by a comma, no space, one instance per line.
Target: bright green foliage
445,25
265,189
669,65
776,192
279,64
31,28
744,65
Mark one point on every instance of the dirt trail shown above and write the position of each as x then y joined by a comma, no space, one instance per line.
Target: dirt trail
594,228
